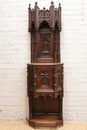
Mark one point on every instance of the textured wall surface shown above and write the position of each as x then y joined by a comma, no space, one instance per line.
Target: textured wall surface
15,54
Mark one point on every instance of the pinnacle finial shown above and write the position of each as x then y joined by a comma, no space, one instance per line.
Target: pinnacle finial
29,5
59,5
52,3
44,8
36,3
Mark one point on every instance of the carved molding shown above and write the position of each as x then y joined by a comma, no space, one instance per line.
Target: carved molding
45,95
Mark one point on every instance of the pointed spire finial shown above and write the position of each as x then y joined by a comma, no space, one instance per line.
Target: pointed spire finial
52,3
29,5
44,8
59,5
36,3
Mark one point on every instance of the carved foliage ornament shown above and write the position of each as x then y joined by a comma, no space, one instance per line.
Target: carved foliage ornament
31,77
58,77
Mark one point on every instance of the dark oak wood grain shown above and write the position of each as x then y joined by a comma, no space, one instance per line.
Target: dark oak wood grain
45,72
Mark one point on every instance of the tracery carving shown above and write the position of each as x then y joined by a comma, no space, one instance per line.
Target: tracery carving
44,14
31,78
34,78
45,41
44,78
56,14
45,95
45,45
56,77
33,15
41,21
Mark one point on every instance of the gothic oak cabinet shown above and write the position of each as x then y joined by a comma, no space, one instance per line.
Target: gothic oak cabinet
45,72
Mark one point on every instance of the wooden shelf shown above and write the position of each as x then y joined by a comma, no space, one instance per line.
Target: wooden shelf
45,64
46,121
44,90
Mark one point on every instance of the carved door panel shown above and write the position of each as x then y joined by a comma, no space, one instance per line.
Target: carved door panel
45,46
44,77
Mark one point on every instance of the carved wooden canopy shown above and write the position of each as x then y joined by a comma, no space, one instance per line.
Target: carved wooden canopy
45,27
37,16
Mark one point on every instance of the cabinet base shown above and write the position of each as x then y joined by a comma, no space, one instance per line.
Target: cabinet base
45,121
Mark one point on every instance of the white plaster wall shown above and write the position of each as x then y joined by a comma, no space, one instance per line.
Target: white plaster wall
15,54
